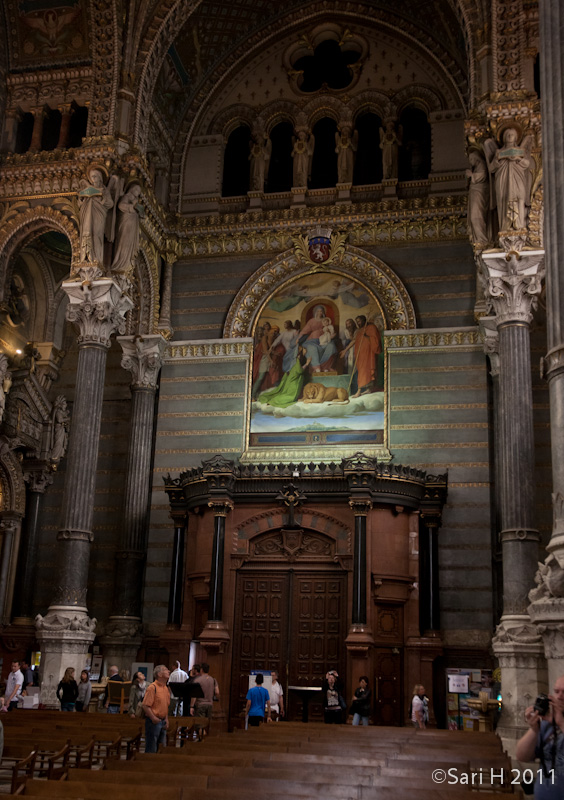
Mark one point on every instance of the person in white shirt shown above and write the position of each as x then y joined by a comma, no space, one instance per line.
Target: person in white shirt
178,675
419,707
13,688
276,695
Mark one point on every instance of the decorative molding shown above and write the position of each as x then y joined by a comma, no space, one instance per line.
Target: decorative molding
514,284
97,309
212,349
398,341
370,271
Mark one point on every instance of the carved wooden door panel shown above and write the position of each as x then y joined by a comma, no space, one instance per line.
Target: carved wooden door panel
318,634
387,687
291,621
261,630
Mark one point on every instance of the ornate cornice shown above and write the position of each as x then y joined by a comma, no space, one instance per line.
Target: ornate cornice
446,337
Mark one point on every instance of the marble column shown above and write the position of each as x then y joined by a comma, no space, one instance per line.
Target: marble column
10,527
97,309
37,135
513,284
66,114
429,609
37,482
360,509
142,357
547,608
177,572
215,635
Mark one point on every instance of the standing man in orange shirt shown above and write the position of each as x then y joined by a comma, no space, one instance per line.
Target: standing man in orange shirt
155,705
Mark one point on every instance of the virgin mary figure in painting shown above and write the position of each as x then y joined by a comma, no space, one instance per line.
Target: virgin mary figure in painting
321,352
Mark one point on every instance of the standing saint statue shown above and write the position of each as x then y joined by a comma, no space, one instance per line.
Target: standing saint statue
60,419
479,215
261,147
390,141
127,237
511,166
5,383
345,147
95,202
302,153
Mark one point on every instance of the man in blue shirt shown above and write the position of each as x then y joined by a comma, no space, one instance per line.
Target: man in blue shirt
257,699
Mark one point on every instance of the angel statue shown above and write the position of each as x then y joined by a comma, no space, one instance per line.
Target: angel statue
95,201
60,419
511,166
261,148
127,237
345,147
390,141
302,155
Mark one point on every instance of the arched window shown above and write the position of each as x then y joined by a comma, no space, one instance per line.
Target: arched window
280,167
77,125
25,132
51,129
415,152
368,165
324,163
236,163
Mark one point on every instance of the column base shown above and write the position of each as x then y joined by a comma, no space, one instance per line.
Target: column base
65,635
298,196
390,187
519,650
121,641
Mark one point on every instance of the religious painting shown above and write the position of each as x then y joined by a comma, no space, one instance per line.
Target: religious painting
52,29
318,366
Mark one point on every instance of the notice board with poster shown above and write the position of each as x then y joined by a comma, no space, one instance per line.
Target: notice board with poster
459,714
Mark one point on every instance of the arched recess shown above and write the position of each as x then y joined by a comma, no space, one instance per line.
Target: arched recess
144,317
397,307
20,225
12,485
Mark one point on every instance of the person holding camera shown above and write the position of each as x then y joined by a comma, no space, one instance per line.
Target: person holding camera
545,740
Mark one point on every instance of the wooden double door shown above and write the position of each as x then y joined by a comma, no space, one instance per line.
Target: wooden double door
292,621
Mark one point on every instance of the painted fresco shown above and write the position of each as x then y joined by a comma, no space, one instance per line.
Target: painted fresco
50,29
318,366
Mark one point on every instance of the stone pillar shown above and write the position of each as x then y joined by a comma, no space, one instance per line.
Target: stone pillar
174,617
142,356
165,322
215,608
37,482
97,309
10,525
12,119
513,285
66,114
547,608
38,120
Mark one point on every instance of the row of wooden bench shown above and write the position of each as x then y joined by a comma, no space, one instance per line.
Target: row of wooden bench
292,760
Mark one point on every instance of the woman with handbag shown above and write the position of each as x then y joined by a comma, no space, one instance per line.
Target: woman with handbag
136,695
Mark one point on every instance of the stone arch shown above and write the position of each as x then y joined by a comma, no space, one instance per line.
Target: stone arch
353,262
268,520
11,481
21,224
422,97
147,307
228,120
370,100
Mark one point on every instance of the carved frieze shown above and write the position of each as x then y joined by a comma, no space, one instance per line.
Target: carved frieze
292,545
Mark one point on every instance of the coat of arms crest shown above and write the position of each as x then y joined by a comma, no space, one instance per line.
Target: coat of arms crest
319,246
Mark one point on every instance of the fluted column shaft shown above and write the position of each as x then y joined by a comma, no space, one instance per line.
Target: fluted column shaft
177,573
551,21
429,608
517,459
27,561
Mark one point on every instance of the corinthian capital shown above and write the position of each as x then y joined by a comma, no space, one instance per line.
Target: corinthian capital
513,283
143,357
97,309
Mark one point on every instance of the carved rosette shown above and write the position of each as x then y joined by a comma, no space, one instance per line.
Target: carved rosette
143,357
513,284
97,309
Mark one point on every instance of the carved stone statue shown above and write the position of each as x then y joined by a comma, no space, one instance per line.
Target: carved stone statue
261,148
511,166
345,147
5,383
479,216
302,154
127,238
60,419
95,202
390,141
